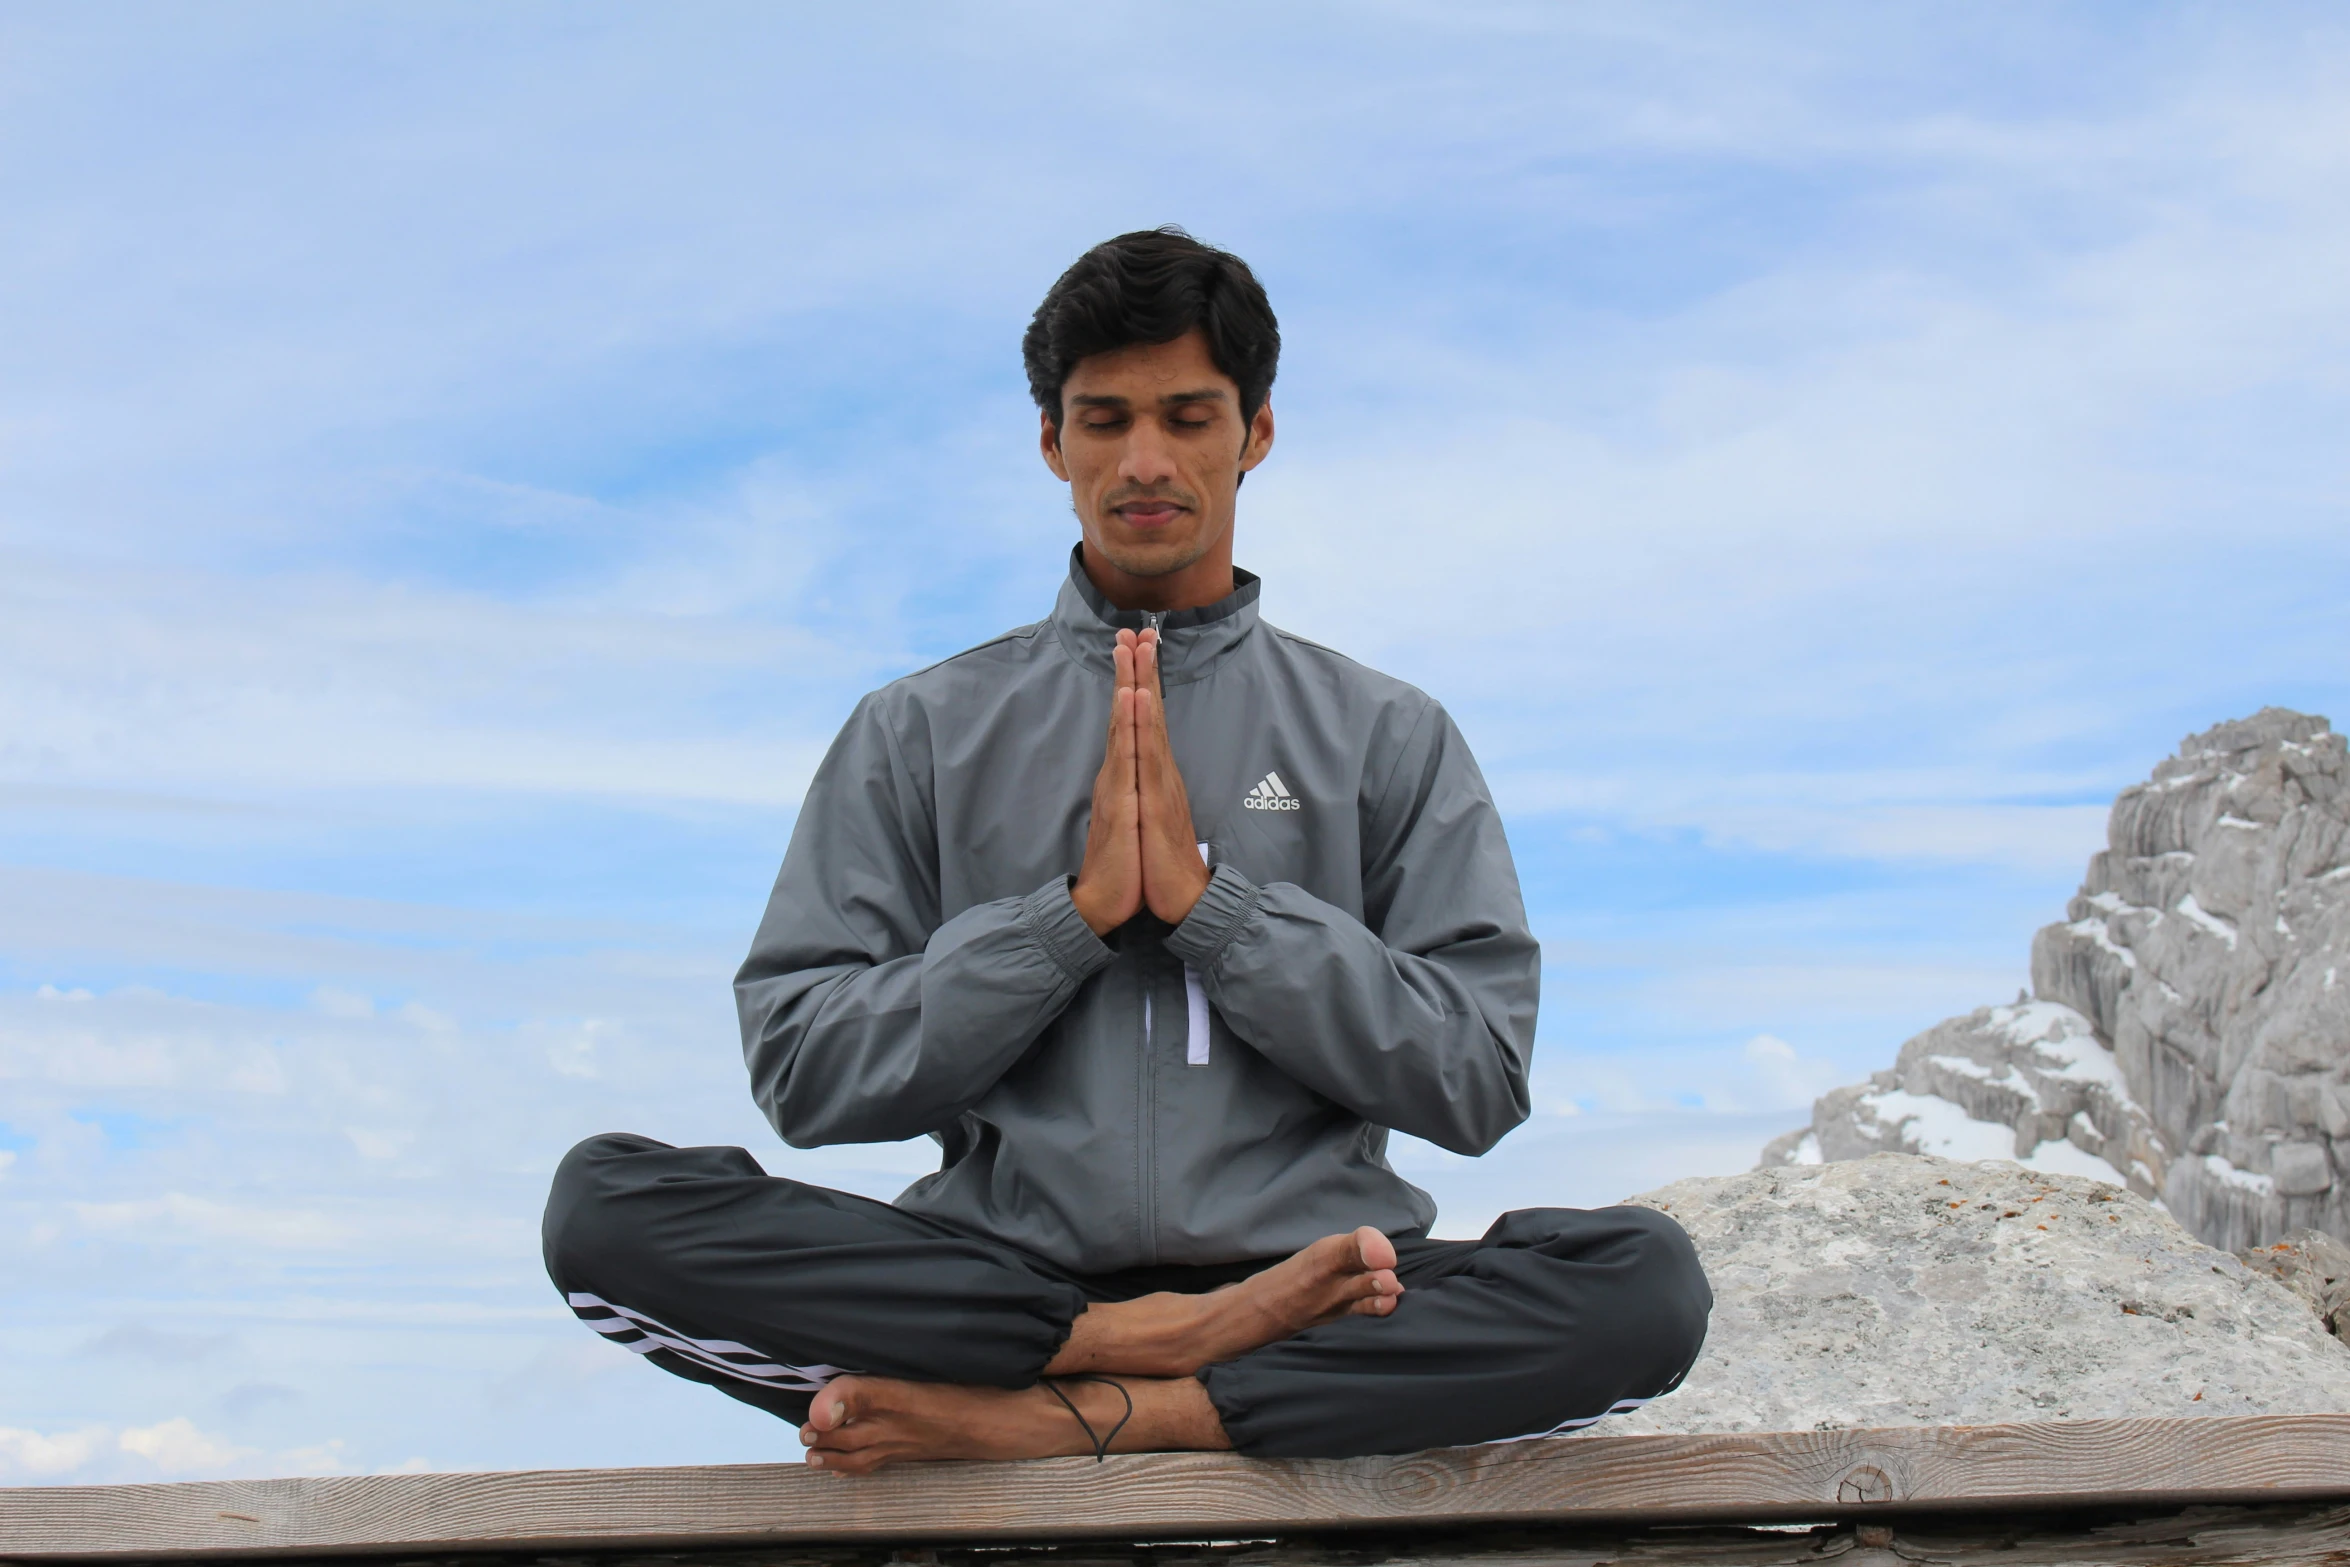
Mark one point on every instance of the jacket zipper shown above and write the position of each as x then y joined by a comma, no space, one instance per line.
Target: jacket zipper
1146,1142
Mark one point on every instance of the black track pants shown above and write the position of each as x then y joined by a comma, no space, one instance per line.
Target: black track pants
765,1287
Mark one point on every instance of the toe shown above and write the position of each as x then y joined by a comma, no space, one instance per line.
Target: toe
834,1405
1376,1250
854,1452
861,1435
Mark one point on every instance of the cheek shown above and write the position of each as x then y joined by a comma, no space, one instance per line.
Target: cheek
1095,469
1210,474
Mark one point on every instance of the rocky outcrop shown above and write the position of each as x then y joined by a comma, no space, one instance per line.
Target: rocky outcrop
2314,1266
2201,976
2211,945
2029,1082
1898,1290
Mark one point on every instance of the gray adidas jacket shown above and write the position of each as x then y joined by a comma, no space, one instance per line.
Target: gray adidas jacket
1207,1092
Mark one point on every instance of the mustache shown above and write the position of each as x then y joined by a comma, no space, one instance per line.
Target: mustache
1149,492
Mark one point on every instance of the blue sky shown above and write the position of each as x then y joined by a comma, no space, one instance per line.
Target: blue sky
457,467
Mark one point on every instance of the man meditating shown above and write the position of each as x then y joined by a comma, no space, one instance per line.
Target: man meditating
1158,919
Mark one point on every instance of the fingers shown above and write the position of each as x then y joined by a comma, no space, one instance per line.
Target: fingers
1146,658
1140,807
1166,805
1123,656
1127,657
1109,882
1125,738
1151,717
1173,877
1147,733
1122,662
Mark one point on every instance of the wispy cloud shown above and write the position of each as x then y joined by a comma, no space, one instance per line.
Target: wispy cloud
171,1449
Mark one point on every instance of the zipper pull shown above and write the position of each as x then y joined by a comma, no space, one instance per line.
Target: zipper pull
1153,620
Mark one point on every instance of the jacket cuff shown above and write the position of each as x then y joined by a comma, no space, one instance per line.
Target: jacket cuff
1051,916
1208,929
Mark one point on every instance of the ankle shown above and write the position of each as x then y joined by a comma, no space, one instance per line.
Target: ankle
1159,1335
1101,1408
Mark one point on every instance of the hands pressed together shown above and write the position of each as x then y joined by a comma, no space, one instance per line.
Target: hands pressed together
1139,849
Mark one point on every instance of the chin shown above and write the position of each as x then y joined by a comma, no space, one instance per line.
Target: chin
1151,558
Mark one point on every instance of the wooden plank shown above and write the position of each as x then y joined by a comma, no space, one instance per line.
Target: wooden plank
1573,1480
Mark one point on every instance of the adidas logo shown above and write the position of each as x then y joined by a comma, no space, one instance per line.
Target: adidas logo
1271,794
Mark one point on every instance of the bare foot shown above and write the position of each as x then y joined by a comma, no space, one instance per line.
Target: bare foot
1172,1335
857,1424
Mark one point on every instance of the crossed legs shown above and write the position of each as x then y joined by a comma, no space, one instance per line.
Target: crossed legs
1152,1346
883,1335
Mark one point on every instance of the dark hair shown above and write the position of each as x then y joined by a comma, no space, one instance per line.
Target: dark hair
1152,286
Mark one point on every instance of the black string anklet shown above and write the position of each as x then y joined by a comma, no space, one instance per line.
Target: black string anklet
1101,1444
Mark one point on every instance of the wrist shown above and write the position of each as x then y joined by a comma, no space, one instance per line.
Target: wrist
1178,906
1091,909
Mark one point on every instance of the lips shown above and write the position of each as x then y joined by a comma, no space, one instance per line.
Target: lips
1149,514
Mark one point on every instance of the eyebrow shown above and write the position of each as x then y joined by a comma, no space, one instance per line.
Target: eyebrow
1205,394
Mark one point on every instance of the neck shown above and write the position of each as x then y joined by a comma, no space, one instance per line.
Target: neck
1205,581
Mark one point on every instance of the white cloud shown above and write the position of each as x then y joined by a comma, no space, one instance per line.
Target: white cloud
322,1458
1783,1079
32,1455
177,1448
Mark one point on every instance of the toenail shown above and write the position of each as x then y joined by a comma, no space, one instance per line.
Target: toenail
815,1460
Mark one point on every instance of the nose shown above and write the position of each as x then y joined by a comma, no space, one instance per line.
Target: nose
1149,457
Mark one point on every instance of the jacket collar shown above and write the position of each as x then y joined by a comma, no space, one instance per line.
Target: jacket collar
1190,640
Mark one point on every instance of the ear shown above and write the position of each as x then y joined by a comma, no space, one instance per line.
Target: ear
1260,438
1048,442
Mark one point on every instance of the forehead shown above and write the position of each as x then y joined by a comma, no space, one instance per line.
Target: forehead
1145,372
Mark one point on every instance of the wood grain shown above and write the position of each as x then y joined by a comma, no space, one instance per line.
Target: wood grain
1573,1480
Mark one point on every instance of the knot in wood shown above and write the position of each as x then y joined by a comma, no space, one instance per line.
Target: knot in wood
1865,1483
1414,1483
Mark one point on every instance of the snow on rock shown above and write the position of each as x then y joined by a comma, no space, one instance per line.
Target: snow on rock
2029,1082
2192,1026
1900,1290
